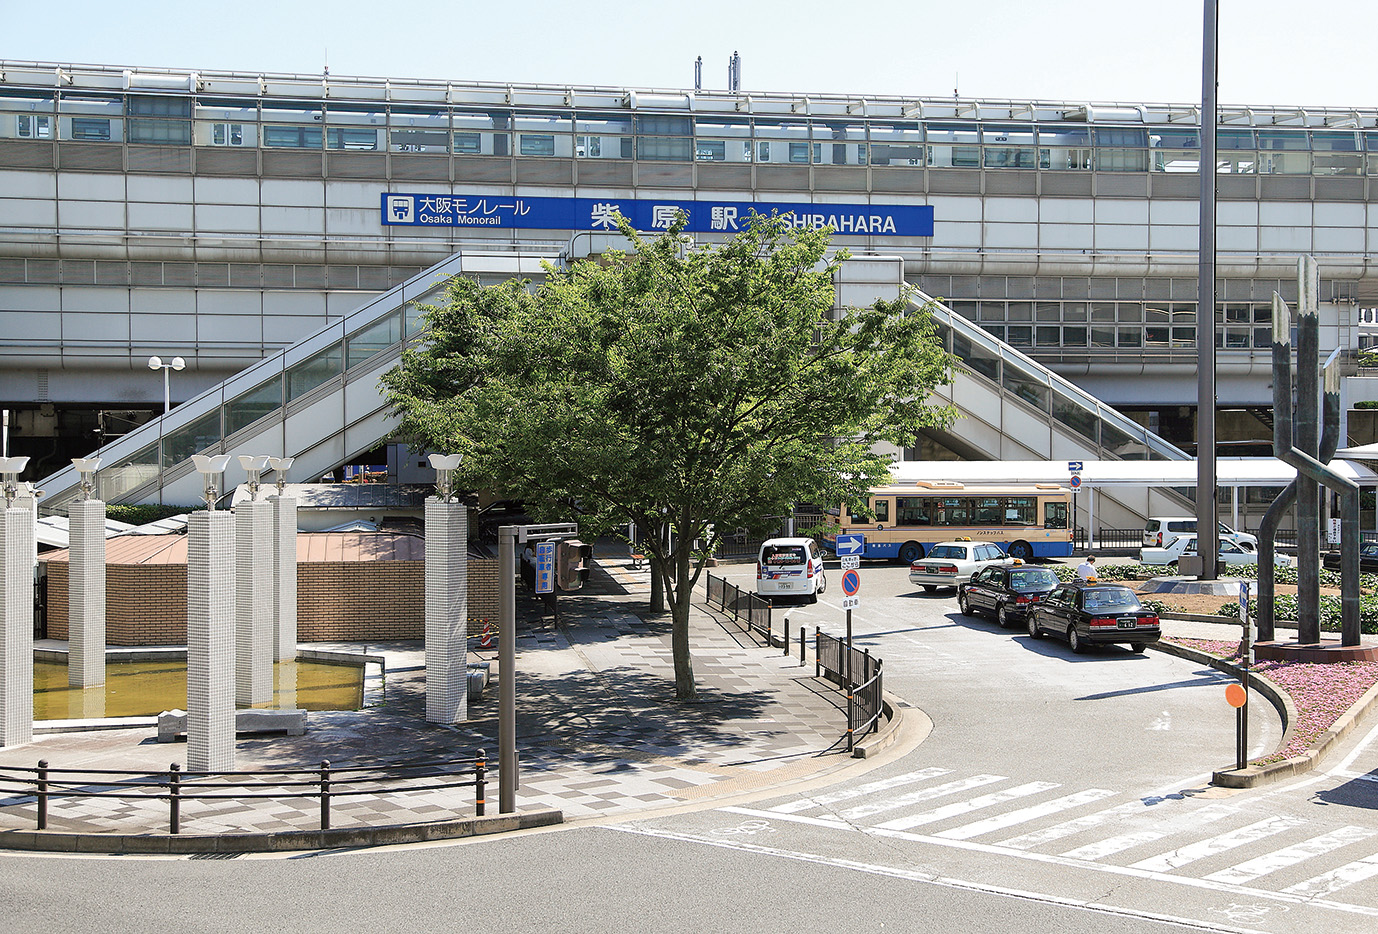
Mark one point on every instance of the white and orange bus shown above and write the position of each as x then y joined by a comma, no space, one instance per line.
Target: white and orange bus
1028,520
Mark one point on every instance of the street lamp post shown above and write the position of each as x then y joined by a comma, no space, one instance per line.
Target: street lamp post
176,363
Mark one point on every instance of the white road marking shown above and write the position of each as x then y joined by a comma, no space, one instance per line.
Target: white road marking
964,807
898,781
927,794
1166,862
992,824
1248,871
1336,879
1112,845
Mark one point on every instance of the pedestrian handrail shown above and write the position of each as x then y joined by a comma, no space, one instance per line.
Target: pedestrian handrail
859,674
742,604
43,784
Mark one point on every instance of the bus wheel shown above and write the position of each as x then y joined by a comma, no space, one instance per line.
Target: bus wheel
910,552
1020,550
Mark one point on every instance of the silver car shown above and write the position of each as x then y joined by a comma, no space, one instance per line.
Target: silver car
948,564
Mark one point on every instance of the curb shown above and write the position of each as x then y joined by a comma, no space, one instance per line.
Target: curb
1255,775
282,841
892,708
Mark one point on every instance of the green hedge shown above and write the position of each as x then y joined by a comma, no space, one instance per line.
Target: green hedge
144,514
1285,610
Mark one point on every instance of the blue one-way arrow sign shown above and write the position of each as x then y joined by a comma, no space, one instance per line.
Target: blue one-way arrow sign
851,545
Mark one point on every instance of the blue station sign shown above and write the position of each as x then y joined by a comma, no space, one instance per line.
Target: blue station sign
597,214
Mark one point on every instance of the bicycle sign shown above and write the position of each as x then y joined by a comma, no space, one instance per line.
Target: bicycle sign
851,590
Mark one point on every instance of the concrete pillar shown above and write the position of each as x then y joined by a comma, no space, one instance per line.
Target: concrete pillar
284,578
210,641
17,550
86,594
447,611
253,603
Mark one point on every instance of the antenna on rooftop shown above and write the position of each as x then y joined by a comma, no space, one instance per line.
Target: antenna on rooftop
734,72
698,73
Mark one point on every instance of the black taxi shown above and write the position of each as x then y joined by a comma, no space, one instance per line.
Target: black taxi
1006,593
1088,614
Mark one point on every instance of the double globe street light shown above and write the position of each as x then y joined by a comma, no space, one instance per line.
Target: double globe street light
176,363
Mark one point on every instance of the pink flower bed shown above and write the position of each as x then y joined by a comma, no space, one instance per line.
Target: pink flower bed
1321,693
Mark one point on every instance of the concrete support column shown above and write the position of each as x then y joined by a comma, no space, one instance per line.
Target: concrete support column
284,578
210,641
253,603
447,611
17,551
86,594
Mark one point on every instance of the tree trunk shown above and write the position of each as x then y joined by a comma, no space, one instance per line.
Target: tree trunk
657,587
682,598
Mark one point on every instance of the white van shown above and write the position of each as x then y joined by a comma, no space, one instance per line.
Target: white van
1160,531
790,567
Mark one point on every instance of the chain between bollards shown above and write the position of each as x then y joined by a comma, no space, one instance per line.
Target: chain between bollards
174,798
480,783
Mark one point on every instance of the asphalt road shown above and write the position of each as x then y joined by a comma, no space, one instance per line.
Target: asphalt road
1054,792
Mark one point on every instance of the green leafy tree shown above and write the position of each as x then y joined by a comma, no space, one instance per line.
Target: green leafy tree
687,390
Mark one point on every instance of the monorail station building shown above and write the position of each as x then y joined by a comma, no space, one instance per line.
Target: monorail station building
276,232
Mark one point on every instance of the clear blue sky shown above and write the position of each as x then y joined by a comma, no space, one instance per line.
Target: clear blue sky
1272,51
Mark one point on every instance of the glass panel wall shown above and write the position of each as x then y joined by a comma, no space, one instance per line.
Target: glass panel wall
1175,149
292,124
897,144
350,126
954,146
225,121
128,472
544,135
313,371
604,136
1121,149
1234,152
418,129
245,409
843,143
483,134
93,118
1065,147
27,114
662,138
1009,147
786,142
380,335
159,120
1283,152
191,439
1336,152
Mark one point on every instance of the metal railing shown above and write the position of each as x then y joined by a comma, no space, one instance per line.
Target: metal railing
859,674
743,605
44,785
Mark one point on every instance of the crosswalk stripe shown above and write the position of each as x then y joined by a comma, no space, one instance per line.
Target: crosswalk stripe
1248,871
1000,822
1112,845
1067,828
898,781
926,794
964,807
1348,874
1166,862
1096,851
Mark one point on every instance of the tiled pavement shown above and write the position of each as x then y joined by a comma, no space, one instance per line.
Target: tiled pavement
599,731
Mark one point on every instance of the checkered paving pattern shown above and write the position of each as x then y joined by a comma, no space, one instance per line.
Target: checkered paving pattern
599,732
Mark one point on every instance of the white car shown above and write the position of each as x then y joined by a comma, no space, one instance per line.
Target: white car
1159,531
1230,553
948,564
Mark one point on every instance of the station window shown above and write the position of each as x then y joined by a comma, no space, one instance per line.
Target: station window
90,128
34,126
537,144
227,134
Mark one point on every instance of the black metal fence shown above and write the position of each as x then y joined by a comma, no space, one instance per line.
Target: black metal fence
859,674
738,545
46,787
743,605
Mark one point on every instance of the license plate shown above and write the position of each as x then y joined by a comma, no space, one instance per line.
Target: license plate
1130,623
785,585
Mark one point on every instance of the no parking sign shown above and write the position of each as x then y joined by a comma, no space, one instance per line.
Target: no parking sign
851,590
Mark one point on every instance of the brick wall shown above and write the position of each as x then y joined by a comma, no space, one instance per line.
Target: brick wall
370,601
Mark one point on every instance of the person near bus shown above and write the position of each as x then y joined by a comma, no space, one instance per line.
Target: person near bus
1086,571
